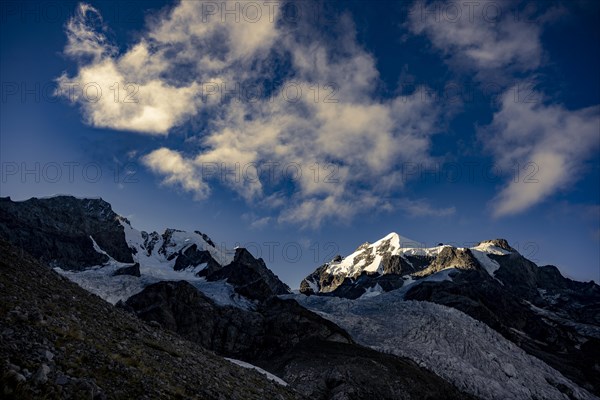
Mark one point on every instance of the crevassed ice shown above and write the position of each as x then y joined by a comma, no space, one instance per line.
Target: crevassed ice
458,348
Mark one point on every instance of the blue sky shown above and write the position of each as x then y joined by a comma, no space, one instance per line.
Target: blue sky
442,121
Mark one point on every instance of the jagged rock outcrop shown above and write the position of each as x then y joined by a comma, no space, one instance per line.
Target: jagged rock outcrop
250,277
500,243
450,257
149,241
61,230
192,257
353,288
206,238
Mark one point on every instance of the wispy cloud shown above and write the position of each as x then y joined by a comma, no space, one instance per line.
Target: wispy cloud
541,146
421,208
488,37
177,170
337,128
547,143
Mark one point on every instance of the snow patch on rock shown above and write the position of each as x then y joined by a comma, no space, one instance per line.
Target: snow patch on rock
262,371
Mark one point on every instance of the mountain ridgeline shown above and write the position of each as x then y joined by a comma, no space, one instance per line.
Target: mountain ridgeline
78,234
364,326
178,283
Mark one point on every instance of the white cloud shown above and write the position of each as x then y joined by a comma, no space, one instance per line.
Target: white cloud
85,37
487,36
256,222
421,208
150,106
547,143
159,78
177,170
358,139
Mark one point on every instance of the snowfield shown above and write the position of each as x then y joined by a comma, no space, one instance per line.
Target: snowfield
156,267
458,348
114,288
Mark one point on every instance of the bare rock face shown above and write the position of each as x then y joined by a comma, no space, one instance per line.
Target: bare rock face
273,328
451,257
501,243
321,280
59,230
192,256
250,277
308,285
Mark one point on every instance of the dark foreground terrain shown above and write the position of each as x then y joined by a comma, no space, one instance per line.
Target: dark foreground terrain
58,341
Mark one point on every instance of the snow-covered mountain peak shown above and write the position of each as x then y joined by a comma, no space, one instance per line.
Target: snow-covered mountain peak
495,246
370,257
152,248
396,255
397,241
389,254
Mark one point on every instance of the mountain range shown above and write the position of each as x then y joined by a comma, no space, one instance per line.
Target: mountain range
393,320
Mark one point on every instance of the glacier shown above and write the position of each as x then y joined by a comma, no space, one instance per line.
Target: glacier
460,349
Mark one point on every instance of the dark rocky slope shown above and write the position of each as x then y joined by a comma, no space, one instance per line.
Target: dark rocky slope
316,357
273,328
58,341
57,230
326,371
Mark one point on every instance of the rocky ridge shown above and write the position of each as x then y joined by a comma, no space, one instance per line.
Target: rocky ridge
63,230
